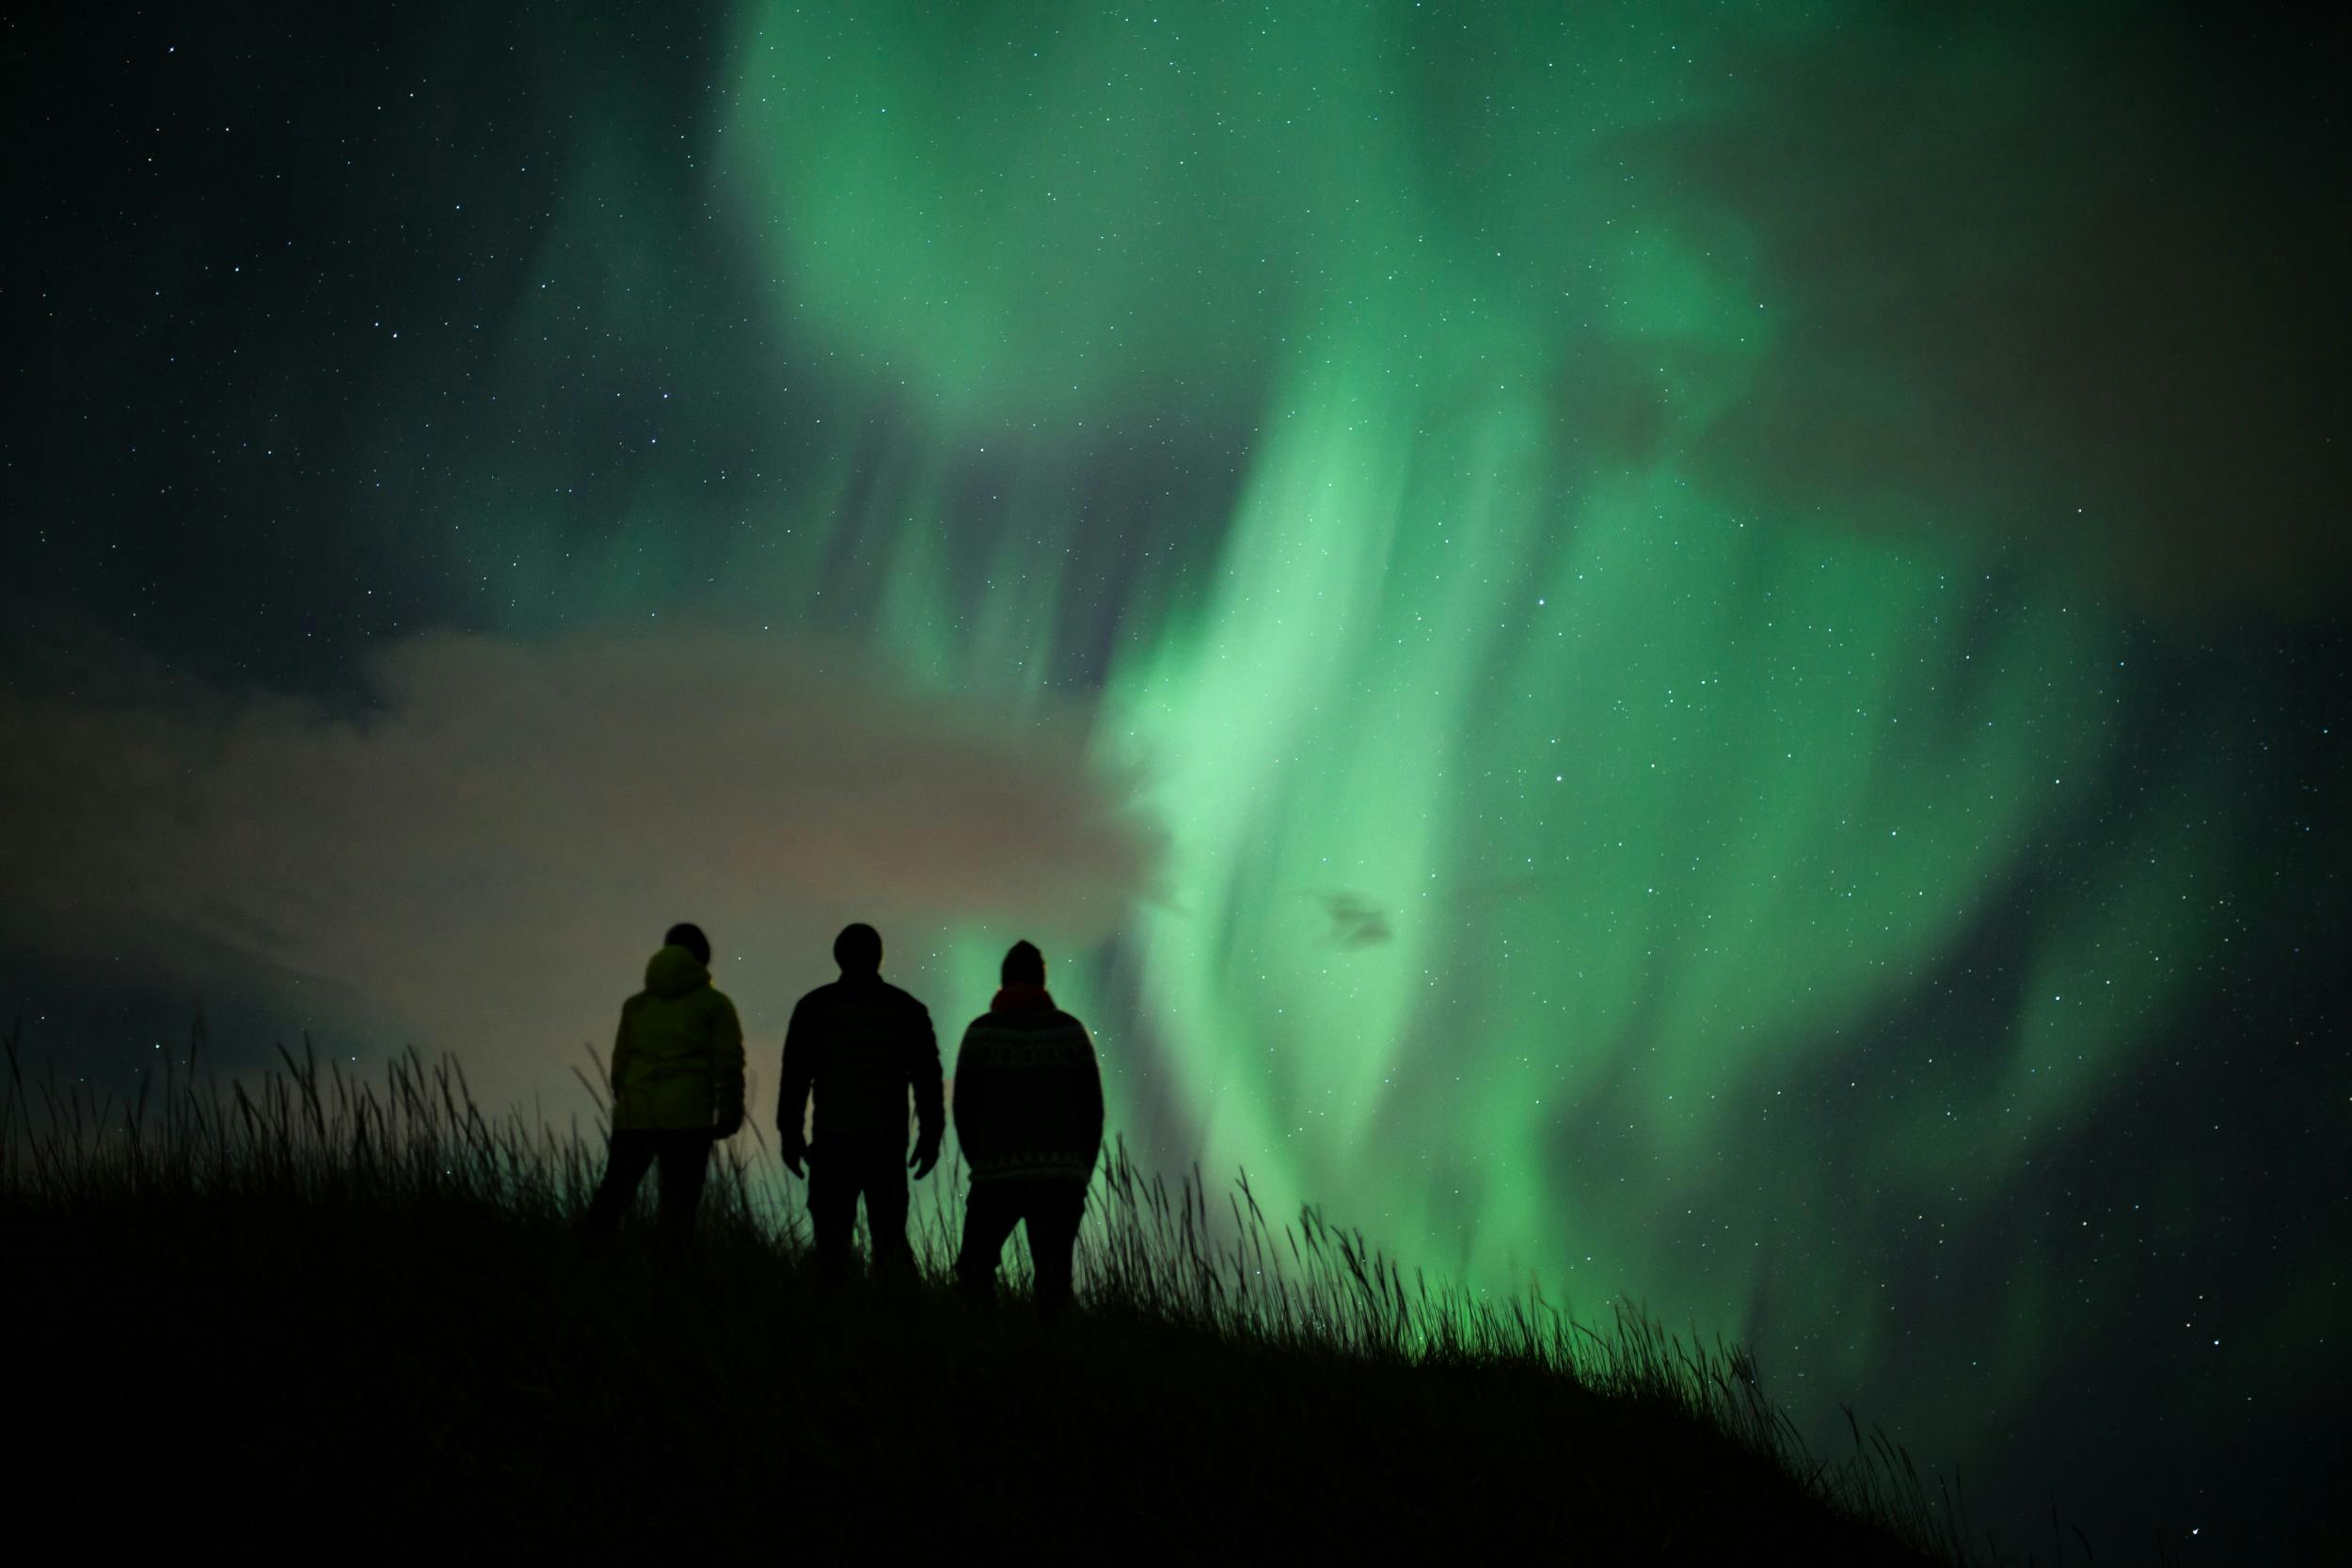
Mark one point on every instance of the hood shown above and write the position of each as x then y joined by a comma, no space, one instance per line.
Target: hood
673,971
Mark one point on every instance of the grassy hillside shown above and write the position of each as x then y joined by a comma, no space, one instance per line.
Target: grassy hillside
301,1314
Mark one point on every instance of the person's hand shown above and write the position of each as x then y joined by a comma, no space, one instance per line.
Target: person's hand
727,1127
926,1155
793,1147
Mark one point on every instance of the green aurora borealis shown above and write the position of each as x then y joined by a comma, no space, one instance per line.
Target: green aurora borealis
1653,787
1655,794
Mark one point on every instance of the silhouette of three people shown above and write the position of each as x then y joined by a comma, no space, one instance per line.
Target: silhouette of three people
1028,1109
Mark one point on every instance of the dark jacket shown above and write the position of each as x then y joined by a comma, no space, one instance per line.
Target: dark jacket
860,1044
677,1058
1028,1091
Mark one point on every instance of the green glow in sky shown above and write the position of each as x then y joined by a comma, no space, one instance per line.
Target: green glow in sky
1547,818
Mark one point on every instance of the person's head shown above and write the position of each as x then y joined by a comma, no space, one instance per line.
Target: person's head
858,949
690,936
1024,965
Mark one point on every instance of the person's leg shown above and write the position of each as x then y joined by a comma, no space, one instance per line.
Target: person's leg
832,1204
1054,1209
624,1162
685,1158
885,1184
989,1214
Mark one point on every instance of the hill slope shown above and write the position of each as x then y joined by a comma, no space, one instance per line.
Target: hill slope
305,1317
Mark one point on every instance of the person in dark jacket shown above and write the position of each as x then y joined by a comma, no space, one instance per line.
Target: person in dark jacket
677,1087
1030,1117
860,1044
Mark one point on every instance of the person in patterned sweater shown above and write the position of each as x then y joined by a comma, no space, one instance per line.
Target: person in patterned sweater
1028,1112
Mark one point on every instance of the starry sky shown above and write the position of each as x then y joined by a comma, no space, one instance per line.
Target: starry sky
1687,652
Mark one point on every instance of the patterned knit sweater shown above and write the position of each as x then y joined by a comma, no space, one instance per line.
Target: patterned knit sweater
1028,1094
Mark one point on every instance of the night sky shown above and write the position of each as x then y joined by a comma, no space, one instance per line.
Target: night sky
1685,652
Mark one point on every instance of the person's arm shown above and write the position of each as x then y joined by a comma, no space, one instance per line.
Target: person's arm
930,1111
1090,1099
726,1069
799,1065
971,1108
617,1070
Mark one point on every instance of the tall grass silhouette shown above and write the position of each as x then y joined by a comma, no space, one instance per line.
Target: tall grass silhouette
306,1149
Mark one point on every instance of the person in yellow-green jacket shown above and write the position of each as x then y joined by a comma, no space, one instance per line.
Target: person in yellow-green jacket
677,1087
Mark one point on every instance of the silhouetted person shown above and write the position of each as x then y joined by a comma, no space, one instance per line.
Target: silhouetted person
677,1085
1029,1115
860,1044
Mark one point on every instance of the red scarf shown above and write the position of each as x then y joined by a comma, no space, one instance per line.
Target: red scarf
1023,997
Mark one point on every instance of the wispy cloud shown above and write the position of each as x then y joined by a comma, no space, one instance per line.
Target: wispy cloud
489,857
1355,923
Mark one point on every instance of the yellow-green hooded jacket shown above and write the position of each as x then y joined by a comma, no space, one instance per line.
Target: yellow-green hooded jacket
678,1062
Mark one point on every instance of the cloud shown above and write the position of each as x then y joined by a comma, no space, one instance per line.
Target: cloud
1355,923
489,857
2077,284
